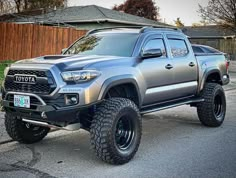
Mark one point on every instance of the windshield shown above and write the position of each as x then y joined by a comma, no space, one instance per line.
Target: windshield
105,44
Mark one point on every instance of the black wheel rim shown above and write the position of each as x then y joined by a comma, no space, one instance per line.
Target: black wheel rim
218,106
124,133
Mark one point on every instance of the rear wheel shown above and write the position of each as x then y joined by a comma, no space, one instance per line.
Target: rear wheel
116,130
24,132
212,111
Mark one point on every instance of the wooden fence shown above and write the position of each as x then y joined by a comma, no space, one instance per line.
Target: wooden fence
22,41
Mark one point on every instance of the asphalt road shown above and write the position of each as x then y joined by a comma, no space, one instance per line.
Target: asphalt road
174,144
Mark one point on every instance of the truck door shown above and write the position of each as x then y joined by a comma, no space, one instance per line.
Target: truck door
157,72
184,66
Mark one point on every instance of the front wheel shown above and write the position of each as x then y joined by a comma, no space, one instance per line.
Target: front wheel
24,132
212,111
116,130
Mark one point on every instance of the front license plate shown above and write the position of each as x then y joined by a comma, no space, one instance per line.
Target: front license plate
22,101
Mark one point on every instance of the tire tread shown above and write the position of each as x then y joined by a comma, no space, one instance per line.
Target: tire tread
13,128
205,109
101,128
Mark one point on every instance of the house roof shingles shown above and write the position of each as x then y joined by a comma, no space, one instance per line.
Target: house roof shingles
82,14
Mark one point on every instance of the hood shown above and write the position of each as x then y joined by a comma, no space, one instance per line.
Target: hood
78,62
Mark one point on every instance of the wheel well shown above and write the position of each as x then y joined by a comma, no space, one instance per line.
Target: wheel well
127,90
214,78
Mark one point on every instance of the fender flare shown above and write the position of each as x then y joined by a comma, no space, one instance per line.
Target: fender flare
205,76
118,80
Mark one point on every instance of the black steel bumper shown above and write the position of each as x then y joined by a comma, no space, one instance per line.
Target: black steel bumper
51,114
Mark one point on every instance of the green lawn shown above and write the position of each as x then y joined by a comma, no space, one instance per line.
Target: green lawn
3,65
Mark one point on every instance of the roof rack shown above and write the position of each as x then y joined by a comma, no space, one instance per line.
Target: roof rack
152,28
142,28
110,28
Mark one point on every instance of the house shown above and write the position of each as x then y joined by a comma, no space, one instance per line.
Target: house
81,17
214,36
210,31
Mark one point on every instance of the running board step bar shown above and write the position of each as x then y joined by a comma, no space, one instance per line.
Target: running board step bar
71,127
160,107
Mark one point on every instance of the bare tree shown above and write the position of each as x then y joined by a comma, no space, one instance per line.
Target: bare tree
6,6
46,4
19,5
9,6
221,12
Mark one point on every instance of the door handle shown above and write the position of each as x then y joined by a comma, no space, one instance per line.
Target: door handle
169,66
191,64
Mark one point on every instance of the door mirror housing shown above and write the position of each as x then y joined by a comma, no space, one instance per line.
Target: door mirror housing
151,53
63,50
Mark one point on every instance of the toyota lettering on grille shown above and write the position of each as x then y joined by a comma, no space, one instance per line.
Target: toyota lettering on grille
31,79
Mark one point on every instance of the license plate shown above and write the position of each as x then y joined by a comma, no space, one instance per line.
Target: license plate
22,101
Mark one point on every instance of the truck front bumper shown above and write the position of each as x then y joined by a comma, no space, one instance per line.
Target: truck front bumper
43,112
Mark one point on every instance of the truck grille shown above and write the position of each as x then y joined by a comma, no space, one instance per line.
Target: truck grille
28,72
45,83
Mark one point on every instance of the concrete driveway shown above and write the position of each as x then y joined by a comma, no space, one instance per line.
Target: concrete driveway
174,144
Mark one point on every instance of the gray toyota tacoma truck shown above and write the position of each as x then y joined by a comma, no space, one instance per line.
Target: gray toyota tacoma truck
106,80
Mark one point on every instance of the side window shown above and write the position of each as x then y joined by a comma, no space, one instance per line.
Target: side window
178,47
197,49
156,44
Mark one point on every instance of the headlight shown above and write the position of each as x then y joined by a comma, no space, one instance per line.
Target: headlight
6,71
80,76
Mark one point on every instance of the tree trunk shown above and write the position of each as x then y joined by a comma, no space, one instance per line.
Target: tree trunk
235,21
18,5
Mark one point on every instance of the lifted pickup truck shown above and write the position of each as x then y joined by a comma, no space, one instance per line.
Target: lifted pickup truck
106,80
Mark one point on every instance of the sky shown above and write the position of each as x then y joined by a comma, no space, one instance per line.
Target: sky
170,10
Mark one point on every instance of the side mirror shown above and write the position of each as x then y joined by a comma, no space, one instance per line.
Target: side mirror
63,50
151,53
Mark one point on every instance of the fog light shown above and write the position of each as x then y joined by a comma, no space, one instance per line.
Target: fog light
225,77
43,115
71,99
